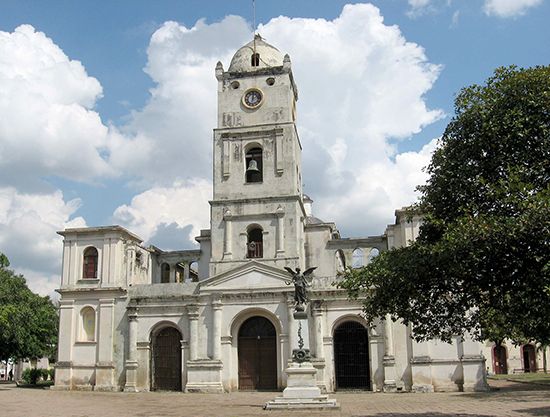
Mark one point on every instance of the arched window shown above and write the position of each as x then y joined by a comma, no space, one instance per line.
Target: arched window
254,244
357,258
164,273
255,60
89,267
87,330
254,165
372,254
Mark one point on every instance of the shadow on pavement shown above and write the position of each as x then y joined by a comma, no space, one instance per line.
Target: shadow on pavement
426,415
537,411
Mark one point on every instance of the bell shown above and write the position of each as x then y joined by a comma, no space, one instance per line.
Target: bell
252,166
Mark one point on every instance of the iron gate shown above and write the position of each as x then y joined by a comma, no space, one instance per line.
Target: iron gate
351,356
166,358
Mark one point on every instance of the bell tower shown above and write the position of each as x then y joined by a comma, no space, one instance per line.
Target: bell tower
257,211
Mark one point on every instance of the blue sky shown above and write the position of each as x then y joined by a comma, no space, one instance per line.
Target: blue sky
136,153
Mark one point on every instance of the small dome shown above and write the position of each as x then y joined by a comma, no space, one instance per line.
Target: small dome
269,56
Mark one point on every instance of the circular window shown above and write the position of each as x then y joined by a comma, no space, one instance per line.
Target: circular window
253,98
270,81
235,85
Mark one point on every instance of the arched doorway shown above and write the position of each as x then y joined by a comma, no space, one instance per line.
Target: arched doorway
166,360
529,358
351,356
500,365
257,351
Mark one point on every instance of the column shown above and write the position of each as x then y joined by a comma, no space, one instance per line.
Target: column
390,384
105,365
473,364
292,329
63,367
388,333
216,328
421,366
132,363
104,267
317,310
193,315
130,255
76,264
186,272
280,213
172,276
227,253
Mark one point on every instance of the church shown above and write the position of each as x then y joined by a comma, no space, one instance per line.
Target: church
220,318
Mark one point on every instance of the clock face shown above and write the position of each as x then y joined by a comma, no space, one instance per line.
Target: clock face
252,98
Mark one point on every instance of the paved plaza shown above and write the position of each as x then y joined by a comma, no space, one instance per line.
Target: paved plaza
507,399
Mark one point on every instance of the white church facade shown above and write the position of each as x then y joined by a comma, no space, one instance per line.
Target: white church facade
220,318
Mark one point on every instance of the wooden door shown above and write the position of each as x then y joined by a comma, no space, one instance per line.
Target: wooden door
529,359
351,356
166,360
500,365
257,351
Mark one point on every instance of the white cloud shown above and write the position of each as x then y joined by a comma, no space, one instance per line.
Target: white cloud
455,19
174,130
28,226
47,126
379,189
509,8
361,86
183,203
419,7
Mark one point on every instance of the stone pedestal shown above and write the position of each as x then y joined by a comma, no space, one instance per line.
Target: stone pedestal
131,376
475,379
204,375
301,390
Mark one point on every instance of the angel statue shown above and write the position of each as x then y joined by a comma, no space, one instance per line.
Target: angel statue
300,285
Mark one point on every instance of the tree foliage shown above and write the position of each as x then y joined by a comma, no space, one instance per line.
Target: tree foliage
28,322
481,263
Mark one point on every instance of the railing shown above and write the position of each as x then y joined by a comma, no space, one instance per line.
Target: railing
255,250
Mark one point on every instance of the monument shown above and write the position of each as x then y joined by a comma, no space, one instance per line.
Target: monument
301,389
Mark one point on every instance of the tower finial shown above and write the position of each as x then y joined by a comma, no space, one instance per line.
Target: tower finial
254,17
254,25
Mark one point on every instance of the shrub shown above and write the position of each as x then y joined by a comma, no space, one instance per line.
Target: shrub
52,373
33,375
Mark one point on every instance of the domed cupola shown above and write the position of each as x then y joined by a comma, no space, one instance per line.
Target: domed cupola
255,55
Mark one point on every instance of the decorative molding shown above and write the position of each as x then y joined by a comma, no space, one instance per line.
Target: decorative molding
420,360
106,365
193,311
143,345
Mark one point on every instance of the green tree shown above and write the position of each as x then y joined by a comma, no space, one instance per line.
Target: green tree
481,263
28,322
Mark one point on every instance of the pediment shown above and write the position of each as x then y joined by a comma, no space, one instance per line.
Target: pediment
252,276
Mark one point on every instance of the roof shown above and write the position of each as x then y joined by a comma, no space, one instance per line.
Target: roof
269,56
100,229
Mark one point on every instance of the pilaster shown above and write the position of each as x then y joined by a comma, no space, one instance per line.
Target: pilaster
105,365
216,328
131,364
193,315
